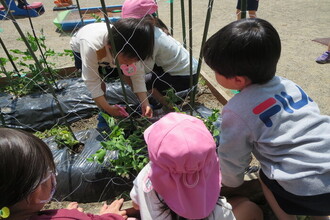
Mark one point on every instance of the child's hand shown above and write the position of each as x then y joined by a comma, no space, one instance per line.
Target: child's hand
147,111
117,111
74,205
114,208
122,111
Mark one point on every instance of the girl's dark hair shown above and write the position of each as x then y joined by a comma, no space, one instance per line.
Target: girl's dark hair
164,207
133,37
24,162
247,47
157,22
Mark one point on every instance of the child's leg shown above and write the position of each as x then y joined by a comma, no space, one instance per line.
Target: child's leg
238,14
244,209
253,7
77,60
274,205
253,14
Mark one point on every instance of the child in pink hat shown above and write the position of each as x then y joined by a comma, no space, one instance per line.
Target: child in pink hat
169,65
138,8
183,177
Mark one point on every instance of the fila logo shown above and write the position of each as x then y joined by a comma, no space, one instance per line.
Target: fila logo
269,107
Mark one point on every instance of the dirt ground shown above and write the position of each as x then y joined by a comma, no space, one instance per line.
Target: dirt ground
297,21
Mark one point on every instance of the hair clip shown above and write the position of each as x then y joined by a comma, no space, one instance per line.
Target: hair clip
4,212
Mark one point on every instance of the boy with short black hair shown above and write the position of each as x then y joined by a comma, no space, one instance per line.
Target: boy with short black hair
271,117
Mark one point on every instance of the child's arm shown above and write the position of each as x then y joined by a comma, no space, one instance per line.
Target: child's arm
113,110
234,149
139,88
146,109
114,208
135,206
93,81
89,71
131,211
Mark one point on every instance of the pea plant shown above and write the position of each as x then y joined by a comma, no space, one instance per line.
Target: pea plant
126,139
97,18
62,136
30,79
209,123
171,98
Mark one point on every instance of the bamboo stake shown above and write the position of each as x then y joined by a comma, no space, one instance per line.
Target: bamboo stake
243,8
171,16
114,50
192,97
39,67
9,57
183,24
81,17
206,28
2,120
41,52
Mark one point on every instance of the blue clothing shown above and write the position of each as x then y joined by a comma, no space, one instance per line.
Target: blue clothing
252,5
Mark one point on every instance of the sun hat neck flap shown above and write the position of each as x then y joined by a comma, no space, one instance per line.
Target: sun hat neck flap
184,165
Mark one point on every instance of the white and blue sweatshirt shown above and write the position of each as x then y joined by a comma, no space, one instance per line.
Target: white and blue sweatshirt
282,126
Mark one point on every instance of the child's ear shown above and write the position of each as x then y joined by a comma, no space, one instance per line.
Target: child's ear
34,197
242,82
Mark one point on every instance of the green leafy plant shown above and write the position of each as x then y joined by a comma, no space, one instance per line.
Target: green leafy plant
126,140
201,81
97,18
30,78
171,98
17,85
63,137
209,122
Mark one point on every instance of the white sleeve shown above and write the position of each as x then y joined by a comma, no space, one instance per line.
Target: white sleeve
138,79
234,148
223,210
145,196
134,193
172,56
90,66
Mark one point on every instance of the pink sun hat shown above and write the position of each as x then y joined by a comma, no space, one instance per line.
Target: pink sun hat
185,169
138,8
